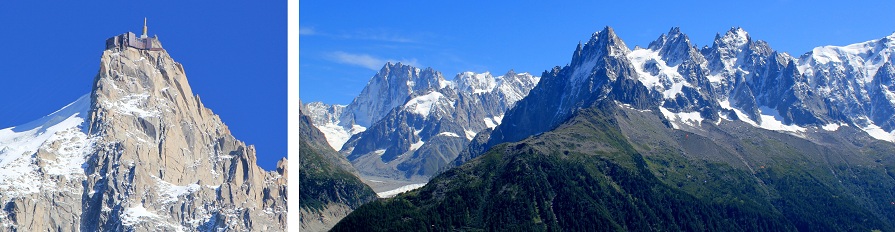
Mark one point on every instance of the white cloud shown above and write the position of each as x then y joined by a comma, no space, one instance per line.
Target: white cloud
306,31
362,34
379,35
366,60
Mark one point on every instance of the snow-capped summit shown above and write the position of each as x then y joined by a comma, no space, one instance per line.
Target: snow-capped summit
854,80
675,48
604,42
865,58
388,89
735,49
475,82
512,86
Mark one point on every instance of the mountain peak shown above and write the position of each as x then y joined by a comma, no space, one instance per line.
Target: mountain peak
606,32
674,31
475,82
404,74
888,41
388,89
674,47
389,66
674,38
606,36
602,43
144,113
510,73
735,37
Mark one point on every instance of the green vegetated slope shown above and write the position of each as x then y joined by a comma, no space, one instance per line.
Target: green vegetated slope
614,169
325,177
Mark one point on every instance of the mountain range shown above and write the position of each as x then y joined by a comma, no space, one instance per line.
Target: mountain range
734,136
409,123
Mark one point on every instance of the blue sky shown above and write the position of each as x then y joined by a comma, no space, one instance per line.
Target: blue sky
233,52
343,44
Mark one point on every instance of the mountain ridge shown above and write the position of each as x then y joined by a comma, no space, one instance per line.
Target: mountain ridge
738,78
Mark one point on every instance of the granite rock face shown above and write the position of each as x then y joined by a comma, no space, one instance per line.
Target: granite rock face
144,154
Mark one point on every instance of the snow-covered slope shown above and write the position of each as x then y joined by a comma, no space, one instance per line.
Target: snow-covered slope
326,119
63,132
863,60
857,80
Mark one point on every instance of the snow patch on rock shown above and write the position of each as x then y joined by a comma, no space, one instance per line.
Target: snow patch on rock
132,104
831,127
424,104
470,134
170,192
415,146
448,134
771,120
689,118
878,133
655,74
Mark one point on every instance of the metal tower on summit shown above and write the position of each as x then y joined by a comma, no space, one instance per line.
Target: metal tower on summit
144,29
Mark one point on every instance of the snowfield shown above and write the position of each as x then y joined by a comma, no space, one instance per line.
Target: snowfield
61,132
399,190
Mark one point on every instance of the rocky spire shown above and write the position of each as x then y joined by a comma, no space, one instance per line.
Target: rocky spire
179,160
146,155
